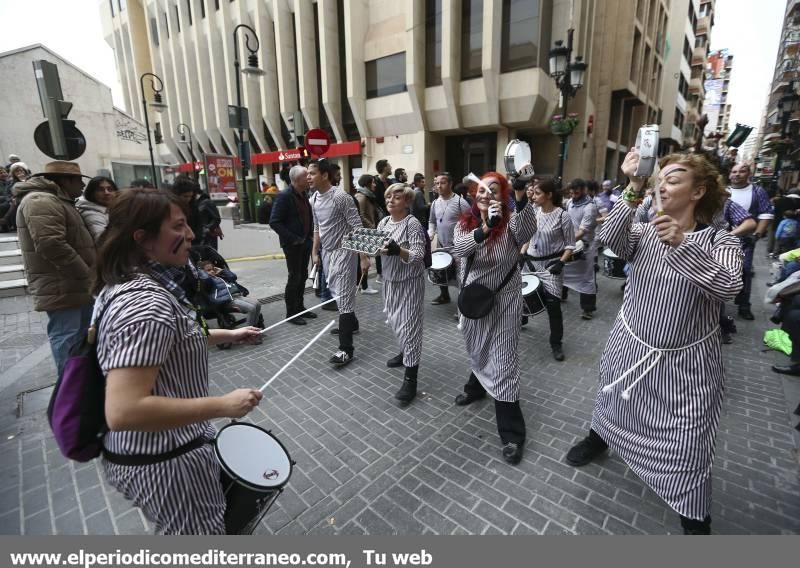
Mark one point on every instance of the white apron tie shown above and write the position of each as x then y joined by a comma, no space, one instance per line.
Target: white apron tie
658,352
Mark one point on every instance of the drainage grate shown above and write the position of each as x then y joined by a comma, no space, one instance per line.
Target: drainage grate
34,401
279,297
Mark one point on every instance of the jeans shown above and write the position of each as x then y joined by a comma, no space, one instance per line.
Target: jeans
66,329
297,257
251,308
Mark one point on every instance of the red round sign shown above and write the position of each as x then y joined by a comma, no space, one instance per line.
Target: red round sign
317,141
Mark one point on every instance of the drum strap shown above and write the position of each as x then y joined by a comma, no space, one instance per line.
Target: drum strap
547,257
151,459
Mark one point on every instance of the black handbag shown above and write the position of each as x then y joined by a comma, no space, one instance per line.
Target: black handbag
475,301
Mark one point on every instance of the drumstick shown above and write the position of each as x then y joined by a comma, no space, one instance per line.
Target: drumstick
299,353
311,309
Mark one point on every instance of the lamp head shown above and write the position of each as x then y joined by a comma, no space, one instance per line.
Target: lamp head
252,67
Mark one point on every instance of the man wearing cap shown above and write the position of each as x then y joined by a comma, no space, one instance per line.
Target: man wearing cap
58,252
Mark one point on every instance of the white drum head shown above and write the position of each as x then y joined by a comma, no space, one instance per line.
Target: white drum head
517,157
609,253
530,283
253,457
441,260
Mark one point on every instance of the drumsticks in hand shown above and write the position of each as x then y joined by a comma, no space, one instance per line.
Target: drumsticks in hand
299,353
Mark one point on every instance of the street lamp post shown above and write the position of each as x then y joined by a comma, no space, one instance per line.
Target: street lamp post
568,76
183,129
251,69
157,104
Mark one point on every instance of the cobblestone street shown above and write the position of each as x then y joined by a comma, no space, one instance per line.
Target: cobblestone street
365,466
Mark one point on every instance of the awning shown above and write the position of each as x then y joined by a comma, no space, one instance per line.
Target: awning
341,149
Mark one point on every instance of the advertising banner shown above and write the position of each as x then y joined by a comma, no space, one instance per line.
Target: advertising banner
221,176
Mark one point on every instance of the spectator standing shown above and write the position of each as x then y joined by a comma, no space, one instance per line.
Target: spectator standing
6,200
419,207
579,274
209,219
400,176
58,252
370,215
186,189
93,204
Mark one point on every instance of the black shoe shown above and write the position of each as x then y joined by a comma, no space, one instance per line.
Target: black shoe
558,352
524,320
340,359
407,392
309,315
466,398
396,361
512,453
439,300
746,314
331,307
693,527
335,331
297,320
586,451
790,369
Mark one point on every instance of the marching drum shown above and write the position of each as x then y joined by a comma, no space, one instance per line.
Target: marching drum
255,467
441,268
517,160
532,295
613,266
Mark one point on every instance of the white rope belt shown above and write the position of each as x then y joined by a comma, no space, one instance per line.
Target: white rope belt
658,352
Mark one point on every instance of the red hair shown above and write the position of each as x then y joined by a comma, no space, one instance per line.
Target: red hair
471,220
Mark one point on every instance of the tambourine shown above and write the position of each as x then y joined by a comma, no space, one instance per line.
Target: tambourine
647,141
517,160
366,241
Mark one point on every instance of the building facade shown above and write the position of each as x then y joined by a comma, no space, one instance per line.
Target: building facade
717,83
430,85
779,139
116,143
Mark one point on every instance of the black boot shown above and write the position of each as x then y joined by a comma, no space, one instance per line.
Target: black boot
408,390
396,361
558,352
587,450
790,369
693,527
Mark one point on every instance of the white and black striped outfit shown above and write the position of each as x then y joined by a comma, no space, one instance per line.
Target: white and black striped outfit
579,275
492,341
554,234
151,328
404,286
666,431
335,215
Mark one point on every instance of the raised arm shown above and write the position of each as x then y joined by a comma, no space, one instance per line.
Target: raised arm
523,222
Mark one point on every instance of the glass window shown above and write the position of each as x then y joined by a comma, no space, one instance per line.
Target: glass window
471,38
154,31
166,24
189,11
111,4
386,76
520,34
177,18
433,43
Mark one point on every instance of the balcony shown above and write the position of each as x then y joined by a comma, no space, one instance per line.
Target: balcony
696,86
699,55
703,25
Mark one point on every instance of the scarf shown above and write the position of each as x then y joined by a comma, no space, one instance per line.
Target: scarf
180,281
368,192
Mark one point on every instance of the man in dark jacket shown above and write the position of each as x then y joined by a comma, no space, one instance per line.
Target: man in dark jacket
291,219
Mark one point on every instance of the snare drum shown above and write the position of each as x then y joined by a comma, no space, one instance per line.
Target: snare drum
255,467
533,303
441,268
613,266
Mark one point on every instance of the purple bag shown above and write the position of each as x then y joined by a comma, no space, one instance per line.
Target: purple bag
77,406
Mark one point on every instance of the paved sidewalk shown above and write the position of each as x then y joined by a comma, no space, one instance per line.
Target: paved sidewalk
366,466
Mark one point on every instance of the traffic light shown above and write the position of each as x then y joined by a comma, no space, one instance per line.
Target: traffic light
57,137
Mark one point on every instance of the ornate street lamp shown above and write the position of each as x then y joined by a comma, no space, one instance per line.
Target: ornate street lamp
183,131
253,70
569,76
158,105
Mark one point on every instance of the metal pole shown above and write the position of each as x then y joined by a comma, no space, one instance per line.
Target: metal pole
245,170
566,91
147,127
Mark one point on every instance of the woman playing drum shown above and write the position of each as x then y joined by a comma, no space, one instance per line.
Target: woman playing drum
548,250
153,348
491,234
404,283
661,373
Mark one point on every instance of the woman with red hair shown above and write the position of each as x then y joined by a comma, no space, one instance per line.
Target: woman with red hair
489,237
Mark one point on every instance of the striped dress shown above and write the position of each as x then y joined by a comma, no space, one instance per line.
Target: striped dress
404,286
554,234
492,341
579,275
335,215
663,352
151,329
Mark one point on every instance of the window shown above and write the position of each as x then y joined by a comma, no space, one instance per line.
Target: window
177,18
349,121
166,24
216,5
687,50
471,38
154,31
202,8
121,5
683,86
433,43
324,121
189,10
520,35
386,76
679,119
111,5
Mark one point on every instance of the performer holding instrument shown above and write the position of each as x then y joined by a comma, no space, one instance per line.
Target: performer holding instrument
548,251
661,373
487,240
446,210
404,283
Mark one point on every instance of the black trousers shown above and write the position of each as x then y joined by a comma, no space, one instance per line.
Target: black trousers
510,422
347,325
297,257
743,297
553,306
790,322
588,301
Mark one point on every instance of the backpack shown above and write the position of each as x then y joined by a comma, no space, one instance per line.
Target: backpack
787,229
76,411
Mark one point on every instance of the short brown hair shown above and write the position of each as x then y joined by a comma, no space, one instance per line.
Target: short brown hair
704,174
118,254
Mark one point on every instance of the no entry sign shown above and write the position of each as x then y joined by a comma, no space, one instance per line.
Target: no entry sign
317,142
